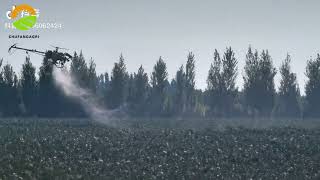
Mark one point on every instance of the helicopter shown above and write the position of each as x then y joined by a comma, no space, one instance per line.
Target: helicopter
57,58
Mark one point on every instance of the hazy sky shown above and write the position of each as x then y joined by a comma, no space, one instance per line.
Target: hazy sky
146,29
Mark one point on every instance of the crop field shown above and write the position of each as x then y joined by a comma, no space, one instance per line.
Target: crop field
72,149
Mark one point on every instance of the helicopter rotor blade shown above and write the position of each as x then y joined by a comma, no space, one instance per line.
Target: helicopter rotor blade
59,47
25,49
11,47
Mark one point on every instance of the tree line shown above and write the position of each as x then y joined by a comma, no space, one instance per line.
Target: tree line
141,95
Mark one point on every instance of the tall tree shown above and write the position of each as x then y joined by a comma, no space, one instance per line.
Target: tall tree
106,89
259,90
80,75
313,88
9,99
215,85
267,73
221,83
228,76
28,85
190,81
118,83
139,92
1,87
289,94
180,89
51,99
79,70
106,78
103,87
159,76
251,81
131,91
159,82
92,77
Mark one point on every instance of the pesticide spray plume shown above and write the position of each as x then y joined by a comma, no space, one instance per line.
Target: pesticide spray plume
65,81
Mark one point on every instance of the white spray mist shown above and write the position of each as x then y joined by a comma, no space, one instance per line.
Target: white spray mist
67,83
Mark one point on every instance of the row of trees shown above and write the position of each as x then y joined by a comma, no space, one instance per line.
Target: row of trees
138,95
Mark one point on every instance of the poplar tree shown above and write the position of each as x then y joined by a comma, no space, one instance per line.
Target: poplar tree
180,91
313,88
289,94
118,84
215,85
92,77
259,89
139,92
159,82
9,99
28,85
228,76
190,81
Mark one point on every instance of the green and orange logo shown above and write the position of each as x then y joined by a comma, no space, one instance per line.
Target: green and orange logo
25,22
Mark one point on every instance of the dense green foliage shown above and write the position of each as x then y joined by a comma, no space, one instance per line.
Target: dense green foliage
28,83
289,94
221,83
259,89
313,87
118,82
141,95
